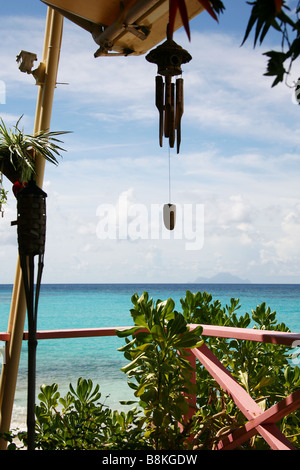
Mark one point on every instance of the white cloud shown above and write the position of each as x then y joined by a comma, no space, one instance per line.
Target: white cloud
285,248
239,158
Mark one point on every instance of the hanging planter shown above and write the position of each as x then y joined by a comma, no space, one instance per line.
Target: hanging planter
17,155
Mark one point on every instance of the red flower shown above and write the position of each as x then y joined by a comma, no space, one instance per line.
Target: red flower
17,186
278,6
174,5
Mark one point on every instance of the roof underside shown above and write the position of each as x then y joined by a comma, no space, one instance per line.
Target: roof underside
131,27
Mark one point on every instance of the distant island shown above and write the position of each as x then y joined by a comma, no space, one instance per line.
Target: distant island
222,278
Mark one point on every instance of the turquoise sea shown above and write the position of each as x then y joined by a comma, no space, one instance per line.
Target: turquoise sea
64,306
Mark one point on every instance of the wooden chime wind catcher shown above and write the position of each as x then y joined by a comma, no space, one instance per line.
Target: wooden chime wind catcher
31,224
169,57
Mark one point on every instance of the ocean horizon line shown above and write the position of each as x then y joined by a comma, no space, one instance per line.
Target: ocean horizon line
164,283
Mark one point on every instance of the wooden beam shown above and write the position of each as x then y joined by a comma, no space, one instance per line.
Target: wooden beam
250,334
76,333
5,336
251,410
270,416
265,336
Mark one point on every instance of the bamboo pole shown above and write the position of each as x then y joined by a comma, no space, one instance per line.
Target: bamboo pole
51,53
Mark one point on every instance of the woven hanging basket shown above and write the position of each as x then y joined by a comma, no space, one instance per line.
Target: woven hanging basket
31,220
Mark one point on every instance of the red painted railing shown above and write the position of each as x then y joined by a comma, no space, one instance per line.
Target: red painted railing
259,421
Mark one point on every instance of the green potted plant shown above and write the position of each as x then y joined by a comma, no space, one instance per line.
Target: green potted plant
18,151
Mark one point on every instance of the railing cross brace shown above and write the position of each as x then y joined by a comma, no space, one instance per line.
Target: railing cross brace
259,421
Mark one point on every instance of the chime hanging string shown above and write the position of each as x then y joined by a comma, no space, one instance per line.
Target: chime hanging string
169,175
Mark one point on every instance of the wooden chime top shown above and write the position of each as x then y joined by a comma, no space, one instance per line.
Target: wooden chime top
169,57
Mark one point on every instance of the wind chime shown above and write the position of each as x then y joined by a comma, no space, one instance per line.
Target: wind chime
31,224
169,57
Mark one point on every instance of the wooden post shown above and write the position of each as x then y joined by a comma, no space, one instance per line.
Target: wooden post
51,53
192,398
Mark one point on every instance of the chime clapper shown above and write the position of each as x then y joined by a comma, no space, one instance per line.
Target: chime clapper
169,215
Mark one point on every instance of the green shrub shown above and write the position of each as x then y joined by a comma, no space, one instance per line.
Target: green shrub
160,374
263,369
159,371
78,421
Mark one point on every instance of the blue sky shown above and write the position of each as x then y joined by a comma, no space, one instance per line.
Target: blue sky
239,158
